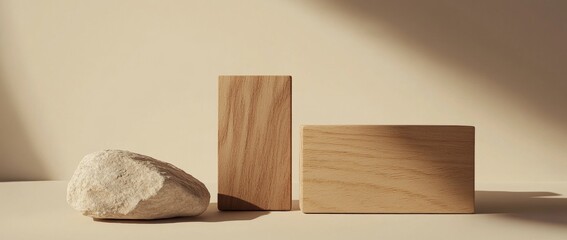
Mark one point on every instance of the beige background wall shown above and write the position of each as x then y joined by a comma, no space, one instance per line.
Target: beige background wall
79,76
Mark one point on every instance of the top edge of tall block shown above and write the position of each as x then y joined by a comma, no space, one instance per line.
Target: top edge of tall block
255,76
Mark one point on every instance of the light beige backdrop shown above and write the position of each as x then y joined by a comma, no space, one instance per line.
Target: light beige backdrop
80,76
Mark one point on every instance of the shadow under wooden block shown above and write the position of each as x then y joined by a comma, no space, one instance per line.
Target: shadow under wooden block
231,203
254,143
387,169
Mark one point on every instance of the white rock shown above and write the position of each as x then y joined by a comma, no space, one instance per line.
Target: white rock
118,184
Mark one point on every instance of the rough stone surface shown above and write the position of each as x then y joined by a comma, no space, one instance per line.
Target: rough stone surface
116,184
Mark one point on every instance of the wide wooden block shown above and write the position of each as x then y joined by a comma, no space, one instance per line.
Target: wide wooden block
254,143
387,169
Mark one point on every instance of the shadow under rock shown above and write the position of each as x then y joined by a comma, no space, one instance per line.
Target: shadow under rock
543,207
212,214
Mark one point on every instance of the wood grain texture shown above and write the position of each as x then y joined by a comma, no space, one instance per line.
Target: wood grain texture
254,143
387,169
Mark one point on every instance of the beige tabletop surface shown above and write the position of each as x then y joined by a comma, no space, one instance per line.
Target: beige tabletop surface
38,210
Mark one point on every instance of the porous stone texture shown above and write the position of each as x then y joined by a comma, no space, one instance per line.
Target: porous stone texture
117,184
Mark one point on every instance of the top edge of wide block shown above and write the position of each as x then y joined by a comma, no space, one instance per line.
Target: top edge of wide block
386,125
472,211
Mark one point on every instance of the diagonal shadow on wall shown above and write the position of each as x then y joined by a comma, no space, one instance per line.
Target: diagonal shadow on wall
18,160
516,47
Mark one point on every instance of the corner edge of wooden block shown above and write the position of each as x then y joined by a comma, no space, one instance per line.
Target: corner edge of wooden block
304,127
286,78
303,210
467,127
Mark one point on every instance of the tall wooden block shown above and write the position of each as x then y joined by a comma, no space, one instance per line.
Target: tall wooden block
254,143
387,169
